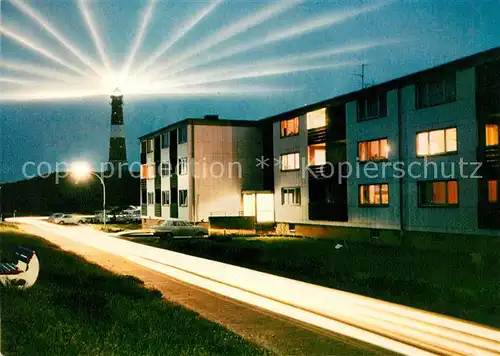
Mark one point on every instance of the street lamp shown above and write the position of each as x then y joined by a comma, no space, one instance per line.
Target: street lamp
83,171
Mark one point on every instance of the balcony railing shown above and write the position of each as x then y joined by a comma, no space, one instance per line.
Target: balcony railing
158,210
321,171
144,209
490,156
317,135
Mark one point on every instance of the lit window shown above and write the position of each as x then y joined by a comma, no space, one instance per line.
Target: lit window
374,194
183,166
373,150
372,107
316,119
165,169
437,142
147,171
317,154
290,196
491,135
438,193
492,191
165,140
165,197
182,134
436,91
290,161
183,194
290,127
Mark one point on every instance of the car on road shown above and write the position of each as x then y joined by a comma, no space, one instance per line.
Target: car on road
177,227
68,219
54,216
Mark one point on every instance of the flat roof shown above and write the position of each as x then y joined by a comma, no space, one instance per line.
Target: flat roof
199,121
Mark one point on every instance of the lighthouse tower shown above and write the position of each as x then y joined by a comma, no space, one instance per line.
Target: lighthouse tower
117,148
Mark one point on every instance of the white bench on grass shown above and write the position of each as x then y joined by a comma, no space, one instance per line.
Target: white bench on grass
22,273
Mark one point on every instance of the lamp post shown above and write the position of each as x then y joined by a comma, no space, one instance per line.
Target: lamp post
82,170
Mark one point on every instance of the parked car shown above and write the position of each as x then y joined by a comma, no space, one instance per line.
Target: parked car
54,216
176,227
68,219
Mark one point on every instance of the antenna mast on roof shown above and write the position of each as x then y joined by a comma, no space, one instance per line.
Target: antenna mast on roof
362,76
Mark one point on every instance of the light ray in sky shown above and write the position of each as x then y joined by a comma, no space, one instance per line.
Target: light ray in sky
50,73
26,43
17,81
281,34
232,30
181,31
139,38
30,12
94,32
222,89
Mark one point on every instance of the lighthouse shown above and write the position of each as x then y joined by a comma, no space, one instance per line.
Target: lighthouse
117,147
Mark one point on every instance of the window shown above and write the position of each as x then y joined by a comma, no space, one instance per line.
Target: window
436,91
183,197
147,171
165,140
492,191
316,119
438,193
165,197
437,142
491,135
150,145
183,166
143,146
290,127
372,107
290,161
165,169
317,154
182,134
374,194
144,196
151,198
290,196
373,150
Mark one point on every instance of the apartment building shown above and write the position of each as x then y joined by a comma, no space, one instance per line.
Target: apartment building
199,167
419,153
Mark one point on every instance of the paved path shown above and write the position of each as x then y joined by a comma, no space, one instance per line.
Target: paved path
279,334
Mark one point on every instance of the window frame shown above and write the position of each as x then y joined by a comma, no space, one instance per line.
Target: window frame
165,169
185,204
442,77
486,134
428,142
287,154
180,136
286,121
163,135
165,193
374,205
318,127
497,201
367,142
182,163
296,193
151,198
150,145
381,96
420,184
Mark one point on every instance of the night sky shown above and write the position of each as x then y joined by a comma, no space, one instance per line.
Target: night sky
413,35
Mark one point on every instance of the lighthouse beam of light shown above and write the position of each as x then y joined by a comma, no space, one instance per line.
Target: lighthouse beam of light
282,34
202,76
232,30
211,90
31,13
94,33
36,48
181,32
139,38
46,72
239,73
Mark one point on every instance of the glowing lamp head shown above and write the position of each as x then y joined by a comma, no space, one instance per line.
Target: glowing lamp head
80,170
116,93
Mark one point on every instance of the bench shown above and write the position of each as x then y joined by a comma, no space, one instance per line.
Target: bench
23,272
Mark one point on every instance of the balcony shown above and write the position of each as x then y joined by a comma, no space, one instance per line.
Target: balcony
328,211
158,210
144,158
144,209
321,171
316,135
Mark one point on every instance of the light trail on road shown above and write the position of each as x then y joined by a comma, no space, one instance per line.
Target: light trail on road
394,327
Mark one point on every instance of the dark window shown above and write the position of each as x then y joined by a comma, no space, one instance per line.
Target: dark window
290,196
436,91
372,107
441,193
182,134
165,169
165,140
144,196
183,197
143,146
374,194
290,127
165,197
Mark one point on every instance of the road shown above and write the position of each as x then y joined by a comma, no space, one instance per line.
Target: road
393,327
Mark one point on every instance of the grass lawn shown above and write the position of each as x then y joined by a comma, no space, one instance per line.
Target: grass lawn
77,308
455,284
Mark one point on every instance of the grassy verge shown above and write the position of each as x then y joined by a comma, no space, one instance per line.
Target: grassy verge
460,285
77,308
